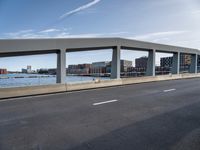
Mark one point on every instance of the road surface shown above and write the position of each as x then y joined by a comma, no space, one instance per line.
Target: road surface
149,116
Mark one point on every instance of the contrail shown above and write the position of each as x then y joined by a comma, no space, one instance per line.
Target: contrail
45,29
83,7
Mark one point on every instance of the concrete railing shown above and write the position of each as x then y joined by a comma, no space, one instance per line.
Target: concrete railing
57,88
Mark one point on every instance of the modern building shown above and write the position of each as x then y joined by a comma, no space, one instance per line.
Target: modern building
198,61
105,67
185,60
125,64
141,62
3,71
134,69
166,62
100,64
29,69
100,68
24,70
80,69
98,71
42,71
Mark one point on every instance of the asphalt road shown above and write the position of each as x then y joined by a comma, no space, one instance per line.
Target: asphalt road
150,116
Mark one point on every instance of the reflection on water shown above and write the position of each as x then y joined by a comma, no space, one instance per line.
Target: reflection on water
19,80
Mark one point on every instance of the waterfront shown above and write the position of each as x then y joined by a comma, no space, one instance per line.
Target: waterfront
20,80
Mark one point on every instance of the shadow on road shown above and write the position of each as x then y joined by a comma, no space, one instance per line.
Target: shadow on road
177,130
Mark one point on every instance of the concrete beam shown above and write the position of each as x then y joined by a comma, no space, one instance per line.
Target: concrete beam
193,66
74,44
151,63
176,63
115,64
61,66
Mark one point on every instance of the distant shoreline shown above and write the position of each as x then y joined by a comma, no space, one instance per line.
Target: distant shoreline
21,76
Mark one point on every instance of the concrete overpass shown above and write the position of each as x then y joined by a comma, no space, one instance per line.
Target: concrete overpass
22,47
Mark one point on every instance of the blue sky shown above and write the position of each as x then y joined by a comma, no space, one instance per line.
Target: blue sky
174,22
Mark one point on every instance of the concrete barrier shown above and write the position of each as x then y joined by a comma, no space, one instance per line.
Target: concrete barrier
158,78
32,90
47,89
93,85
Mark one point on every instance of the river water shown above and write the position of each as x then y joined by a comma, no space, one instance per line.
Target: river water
20,80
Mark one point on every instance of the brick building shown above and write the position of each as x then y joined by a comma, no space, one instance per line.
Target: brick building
3,71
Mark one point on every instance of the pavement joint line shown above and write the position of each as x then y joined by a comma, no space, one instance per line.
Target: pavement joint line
105,102
169,90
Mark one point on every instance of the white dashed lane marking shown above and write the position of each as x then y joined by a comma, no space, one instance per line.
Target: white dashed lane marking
105,102
169,90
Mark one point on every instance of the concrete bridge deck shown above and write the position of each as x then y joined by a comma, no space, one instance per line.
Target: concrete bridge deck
159,116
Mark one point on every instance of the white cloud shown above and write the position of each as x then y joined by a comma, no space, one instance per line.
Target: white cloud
196,12
81,8
57,33
49,30
179,38
14,34
93,35
156,35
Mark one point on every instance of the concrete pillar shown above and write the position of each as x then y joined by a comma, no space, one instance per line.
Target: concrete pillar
151,63
115,65
193,66
61,66
198,63
176,63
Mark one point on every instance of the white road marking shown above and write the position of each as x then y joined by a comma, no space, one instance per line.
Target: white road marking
100,103
169,90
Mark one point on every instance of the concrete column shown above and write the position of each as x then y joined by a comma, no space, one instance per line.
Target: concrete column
115,65
193,66
151,63
198,65
176,63
61,66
